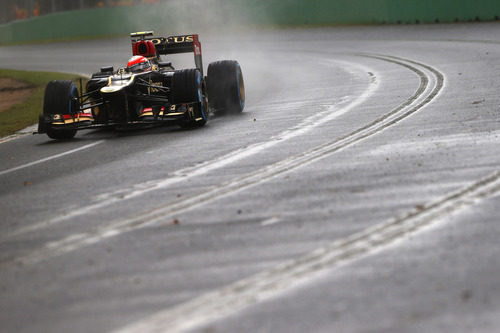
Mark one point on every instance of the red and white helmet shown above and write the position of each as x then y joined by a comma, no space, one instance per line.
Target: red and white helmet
138,64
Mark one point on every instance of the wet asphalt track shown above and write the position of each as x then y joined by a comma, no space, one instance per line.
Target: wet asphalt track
357,192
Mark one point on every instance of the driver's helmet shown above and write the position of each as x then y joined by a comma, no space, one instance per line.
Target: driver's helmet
138,64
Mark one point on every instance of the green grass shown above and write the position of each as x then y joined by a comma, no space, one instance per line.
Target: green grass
26,113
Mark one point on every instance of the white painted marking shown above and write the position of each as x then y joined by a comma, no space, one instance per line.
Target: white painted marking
24,132
329,113
50,158
270,221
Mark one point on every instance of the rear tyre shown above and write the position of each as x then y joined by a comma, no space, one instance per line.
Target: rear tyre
187,87
61,97
225,87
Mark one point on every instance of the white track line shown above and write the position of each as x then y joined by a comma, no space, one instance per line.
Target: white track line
50,158
24,132
329,113
268,284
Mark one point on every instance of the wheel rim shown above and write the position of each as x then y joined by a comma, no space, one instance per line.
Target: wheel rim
241,87
73,93
200,96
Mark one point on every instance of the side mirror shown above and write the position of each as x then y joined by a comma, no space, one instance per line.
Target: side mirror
107,69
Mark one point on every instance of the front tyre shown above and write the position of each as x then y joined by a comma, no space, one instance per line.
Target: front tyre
188,88
61,97
225,87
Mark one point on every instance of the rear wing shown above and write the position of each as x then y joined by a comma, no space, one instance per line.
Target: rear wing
173,45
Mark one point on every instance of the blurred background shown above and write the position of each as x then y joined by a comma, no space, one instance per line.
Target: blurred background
38,20
24,9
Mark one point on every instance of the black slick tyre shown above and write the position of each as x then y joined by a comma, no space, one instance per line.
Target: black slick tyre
225,87
61,97
187,87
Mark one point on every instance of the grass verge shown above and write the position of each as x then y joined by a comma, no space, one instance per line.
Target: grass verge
21,115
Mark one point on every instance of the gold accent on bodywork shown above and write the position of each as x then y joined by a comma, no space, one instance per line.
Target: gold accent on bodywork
161,114
145,114
152,89
110,88
72,120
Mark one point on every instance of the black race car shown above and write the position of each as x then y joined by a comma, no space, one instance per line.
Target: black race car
146,92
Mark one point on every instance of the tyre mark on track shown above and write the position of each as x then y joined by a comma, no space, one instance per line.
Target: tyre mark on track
430,85
294,273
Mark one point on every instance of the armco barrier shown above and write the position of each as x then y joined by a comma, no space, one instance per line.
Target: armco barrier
178,16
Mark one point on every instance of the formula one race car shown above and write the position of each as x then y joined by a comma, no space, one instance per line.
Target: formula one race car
146,92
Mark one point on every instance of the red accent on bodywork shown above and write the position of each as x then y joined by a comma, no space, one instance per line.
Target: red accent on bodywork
144,48
196,45
70,116
151,109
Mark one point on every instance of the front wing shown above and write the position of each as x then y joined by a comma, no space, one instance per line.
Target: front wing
148,116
